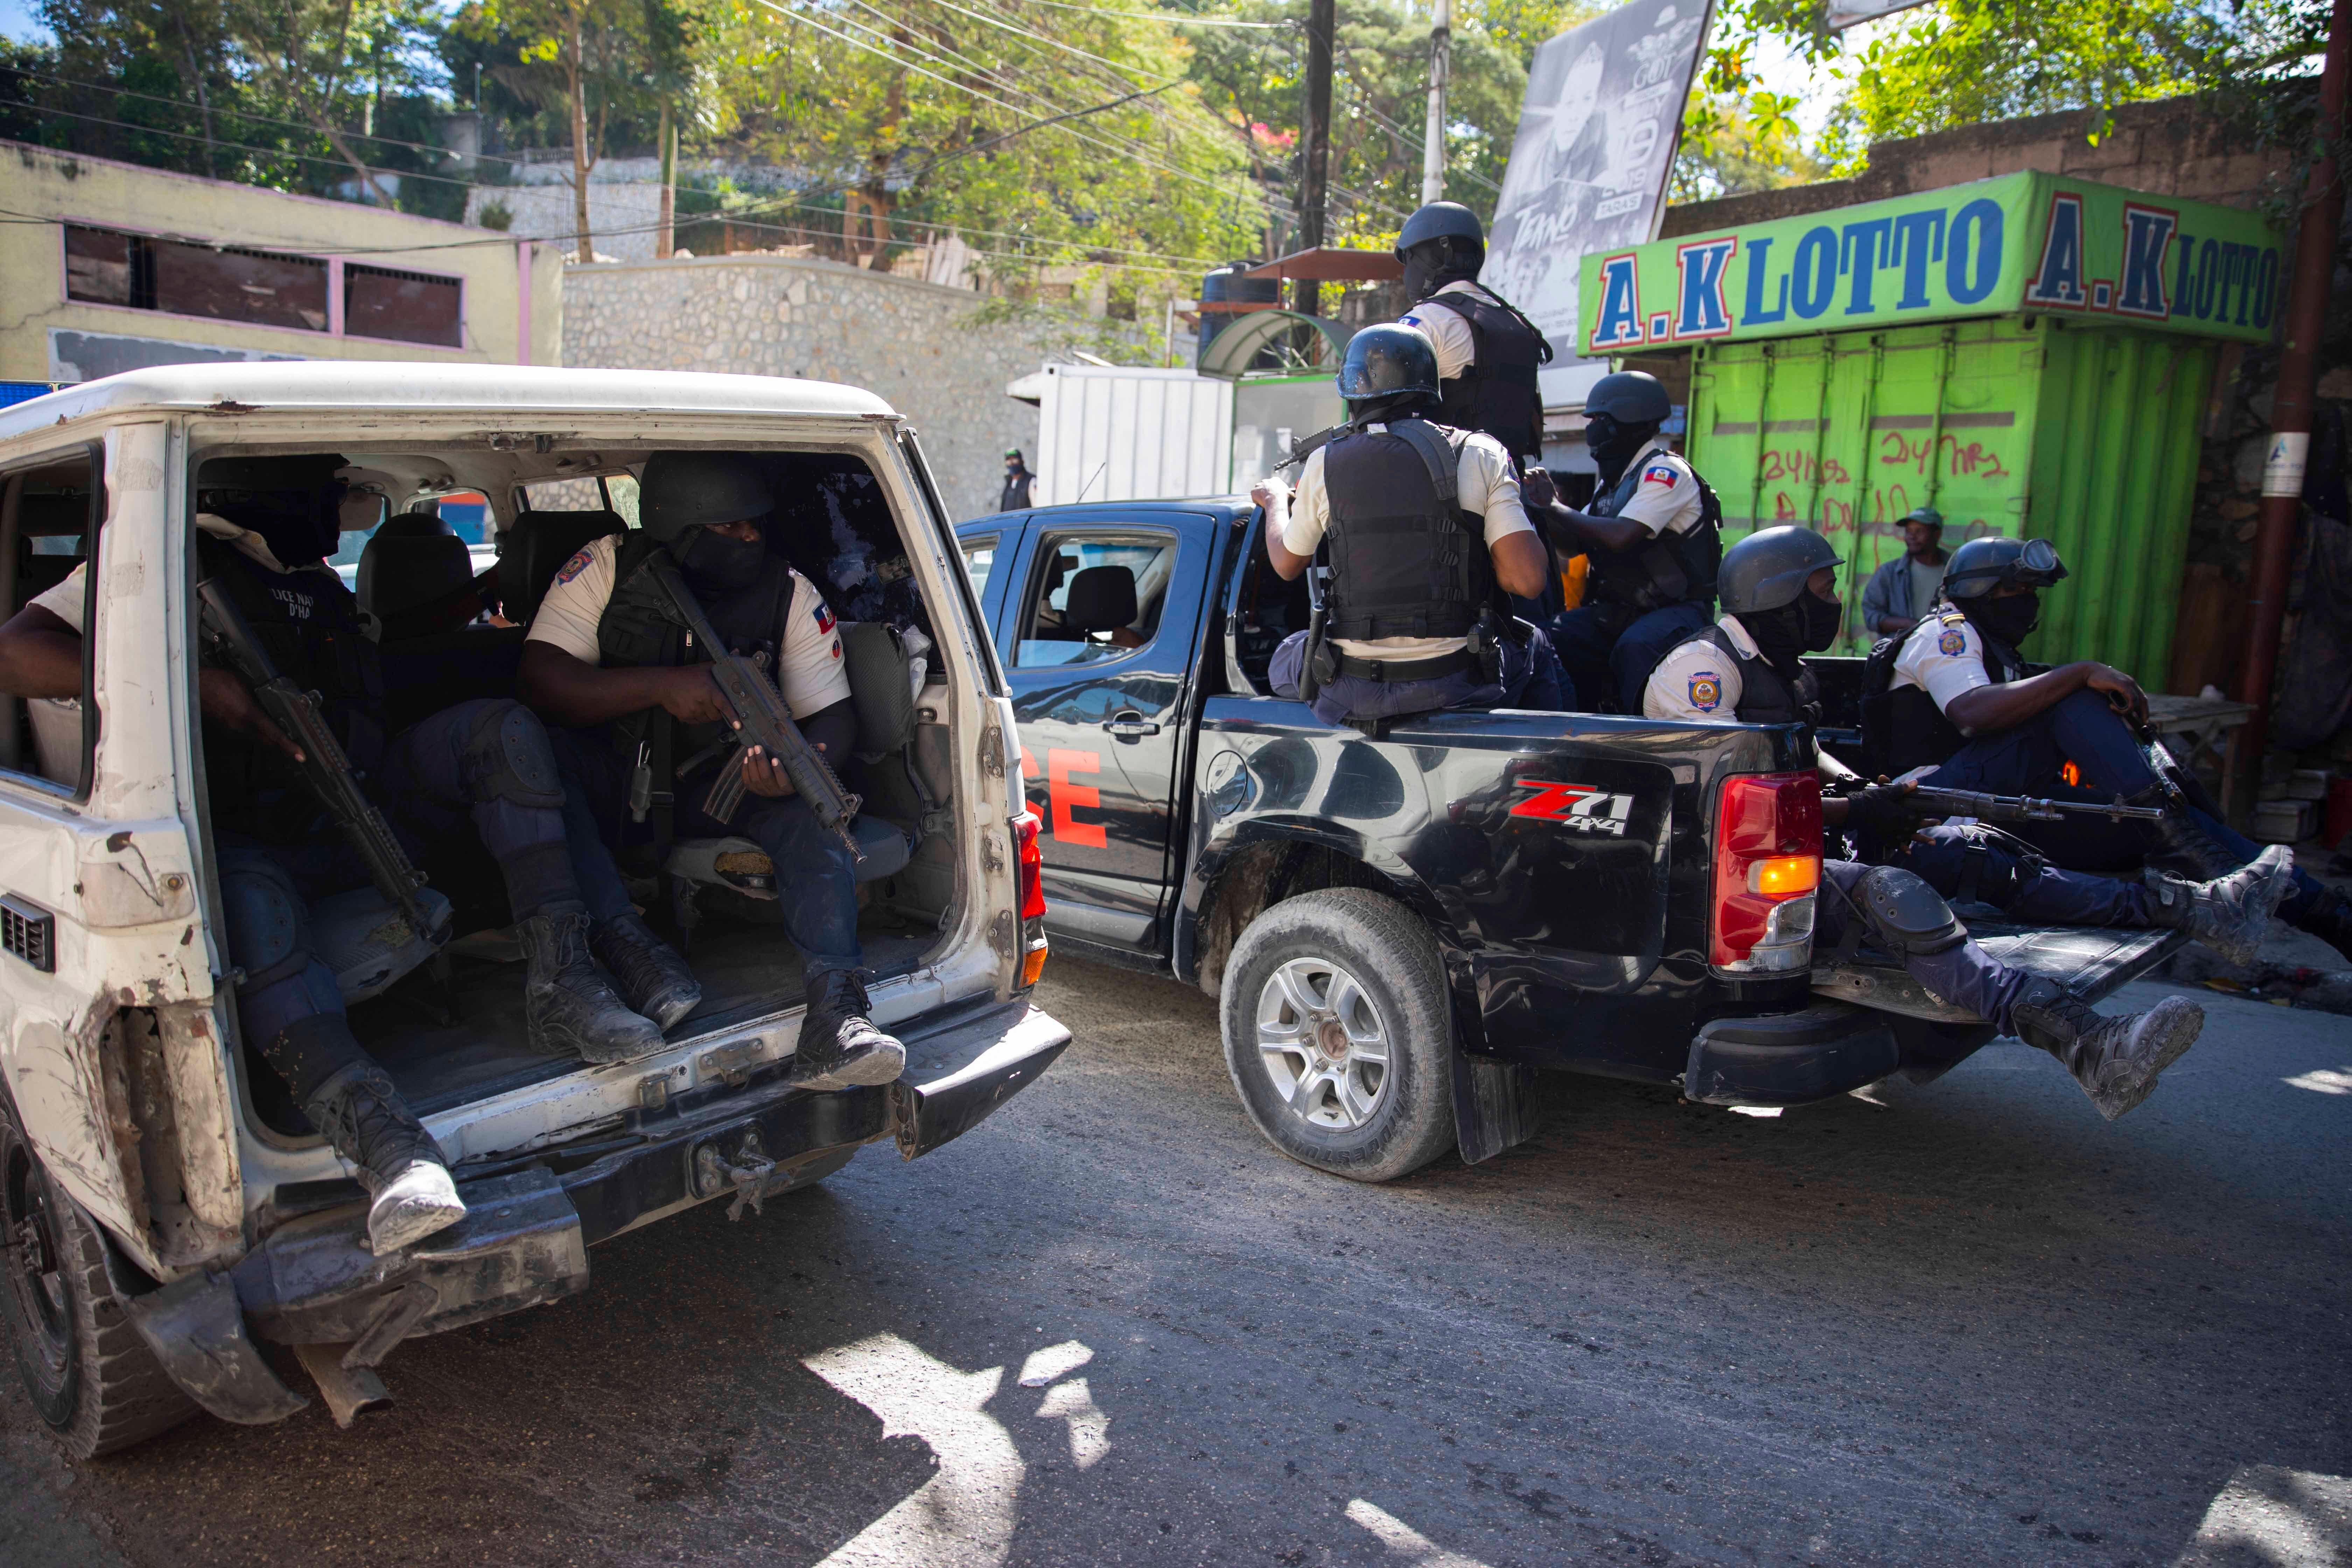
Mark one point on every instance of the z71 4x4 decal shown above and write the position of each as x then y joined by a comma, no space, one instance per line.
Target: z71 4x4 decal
1579,807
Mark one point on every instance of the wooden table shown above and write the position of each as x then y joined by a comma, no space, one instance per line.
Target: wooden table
2204,724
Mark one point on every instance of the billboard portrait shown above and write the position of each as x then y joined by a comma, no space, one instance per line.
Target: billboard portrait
1588,169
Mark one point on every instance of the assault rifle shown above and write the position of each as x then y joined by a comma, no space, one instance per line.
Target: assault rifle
325,768
1923,801
762,719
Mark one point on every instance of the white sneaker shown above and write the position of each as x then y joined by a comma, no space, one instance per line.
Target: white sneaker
419,1200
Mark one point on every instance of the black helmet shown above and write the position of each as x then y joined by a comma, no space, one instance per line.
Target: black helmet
1630,397
680,489
1388,361
1768,568
1981,565
1440,220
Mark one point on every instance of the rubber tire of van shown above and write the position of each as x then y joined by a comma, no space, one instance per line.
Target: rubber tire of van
1394,958
85,1368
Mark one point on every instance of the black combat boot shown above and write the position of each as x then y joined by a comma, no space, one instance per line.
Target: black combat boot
2115,1059
570,1009
2230,914
646,970
2330,920
839,1045
2179,843
354,1105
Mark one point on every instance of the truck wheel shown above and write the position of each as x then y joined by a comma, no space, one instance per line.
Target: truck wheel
90,1375
1338,1034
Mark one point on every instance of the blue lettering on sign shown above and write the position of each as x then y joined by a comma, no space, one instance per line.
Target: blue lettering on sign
2184,300
1619,322
2146,232
2266,287
1918,240
2208,278
1863,251
1705,313
1816,273
1979,222
2058,278
1759,254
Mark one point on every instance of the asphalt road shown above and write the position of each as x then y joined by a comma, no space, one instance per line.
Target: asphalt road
1111,1326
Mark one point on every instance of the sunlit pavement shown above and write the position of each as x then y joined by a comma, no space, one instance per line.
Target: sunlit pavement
1111,1326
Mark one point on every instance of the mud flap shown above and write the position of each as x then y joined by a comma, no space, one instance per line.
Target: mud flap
1494,1106
195,1326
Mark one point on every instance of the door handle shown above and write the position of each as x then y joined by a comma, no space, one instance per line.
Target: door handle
1128,721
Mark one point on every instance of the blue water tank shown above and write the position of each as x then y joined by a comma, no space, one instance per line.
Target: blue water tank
1230,284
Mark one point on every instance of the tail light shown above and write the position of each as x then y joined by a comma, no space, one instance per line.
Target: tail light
1768,868
1032,862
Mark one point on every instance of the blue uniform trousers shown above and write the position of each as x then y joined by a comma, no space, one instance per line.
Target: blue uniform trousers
817,876
1610,668
2042,895
1965,976
1531,679
2026,760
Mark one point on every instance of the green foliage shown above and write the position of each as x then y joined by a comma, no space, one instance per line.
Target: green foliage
1736,143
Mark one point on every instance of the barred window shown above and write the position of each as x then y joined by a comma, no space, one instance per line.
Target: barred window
409,307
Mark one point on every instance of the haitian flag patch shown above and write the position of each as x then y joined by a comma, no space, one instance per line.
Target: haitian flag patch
1661,474
823,619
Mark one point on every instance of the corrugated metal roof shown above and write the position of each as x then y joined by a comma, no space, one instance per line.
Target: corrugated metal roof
513,393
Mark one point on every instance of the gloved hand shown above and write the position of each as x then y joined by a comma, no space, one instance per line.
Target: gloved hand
1879,813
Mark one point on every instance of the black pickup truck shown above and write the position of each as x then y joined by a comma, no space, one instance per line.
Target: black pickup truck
1405,921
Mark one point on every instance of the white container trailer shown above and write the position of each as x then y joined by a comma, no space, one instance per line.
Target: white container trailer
1117,432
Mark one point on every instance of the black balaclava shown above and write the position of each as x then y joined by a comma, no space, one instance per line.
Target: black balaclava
1613,445
2008,621
1388,410
1431,265
1808,624
300,527
713,563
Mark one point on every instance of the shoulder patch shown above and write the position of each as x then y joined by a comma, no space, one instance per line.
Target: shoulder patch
1706,690
576,565
1952,640
824,623
1663,474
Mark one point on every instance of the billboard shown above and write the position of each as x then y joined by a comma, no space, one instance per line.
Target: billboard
1588,170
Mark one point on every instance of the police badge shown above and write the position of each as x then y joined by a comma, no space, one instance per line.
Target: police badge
1953,640
1706,691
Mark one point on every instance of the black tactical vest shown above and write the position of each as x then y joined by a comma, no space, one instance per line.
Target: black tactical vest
1406,560
1915,733
1498,392
1764,696
639,628
1673,568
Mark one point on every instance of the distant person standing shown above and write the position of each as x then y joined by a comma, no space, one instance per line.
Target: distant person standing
1017,480
1898,594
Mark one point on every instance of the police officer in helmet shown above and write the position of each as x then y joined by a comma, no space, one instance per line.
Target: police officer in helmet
1425,534
1779,600
1487,352
1653,535
1954,696
637,716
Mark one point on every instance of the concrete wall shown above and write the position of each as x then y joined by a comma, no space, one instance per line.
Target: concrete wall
918,344
512,291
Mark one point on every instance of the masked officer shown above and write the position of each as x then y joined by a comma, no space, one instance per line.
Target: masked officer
1653,537
1487,352
608,663
1955,697
1426,534
1018,481
265,526
1779,587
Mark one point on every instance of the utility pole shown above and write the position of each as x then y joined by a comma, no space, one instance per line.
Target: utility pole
1315,180
2298,374
1433,142
666,137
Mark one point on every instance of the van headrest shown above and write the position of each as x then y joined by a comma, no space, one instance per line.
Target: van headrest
415,585
534,550
881,687
1102,598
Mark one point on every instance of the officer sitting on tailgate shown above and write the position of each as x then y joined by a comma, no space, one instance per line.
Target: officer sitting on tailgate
1487,352
1955,698
1652,536
1425,533
266,525
608,664
1779,600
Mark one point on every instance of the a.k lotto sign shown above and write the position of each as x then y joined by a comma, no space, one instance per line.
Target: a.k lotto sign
2019,243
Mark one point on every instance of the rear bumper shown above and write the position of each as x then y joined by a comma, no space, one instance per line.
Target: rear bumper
531,1220
1790,1058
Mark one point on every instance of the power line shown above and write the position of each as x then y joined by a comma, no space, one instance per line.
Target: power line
240,146
1173,20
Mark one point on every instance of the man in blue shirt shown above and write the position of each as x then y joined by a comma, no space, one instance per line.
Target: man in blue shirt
1898,594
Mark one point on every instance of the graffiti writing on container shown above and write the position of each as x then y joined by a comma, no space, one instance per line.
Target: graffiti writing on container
1804,466
1896,450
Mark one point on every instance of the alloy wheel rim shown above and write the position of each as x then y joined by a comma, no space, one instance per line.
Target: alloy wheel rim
1323,1045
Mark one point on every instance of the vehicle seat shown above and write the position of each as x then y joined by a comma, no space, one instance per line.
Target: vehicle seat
534,550
1102,599
415,580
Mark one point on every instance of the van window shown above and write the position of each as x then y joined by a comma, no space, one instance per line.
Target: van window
979,555
611,492
49,513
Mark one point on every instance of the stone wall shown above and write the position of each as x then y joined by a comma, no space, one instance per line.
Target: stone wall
925,348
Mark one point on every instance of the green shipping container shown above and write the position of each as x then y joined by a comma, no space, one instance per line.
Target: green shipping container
2031,355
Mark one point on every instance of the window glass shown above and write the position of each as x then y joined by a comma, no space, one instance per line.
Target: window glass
227,283
39,548
408,306
979,555
1108,575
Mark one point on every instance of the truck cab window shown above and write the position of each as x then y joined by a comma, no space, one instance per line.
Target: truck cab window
46,514
1097,598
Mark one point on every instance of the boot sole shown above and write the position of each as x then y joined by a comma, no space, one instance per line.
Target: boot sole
666,1017
2181,1023
549,1044
410,1218
877,1066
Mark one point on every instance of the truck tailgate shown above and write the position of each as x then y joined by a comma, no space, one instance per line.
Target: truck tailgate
2089,960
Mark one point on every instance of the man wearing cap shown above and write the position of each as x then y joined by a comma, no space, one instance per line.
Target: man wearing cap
1017,482
1899,592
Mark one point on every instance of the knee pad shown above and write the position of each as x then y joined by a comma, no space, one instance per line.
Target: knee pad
509,758
268,927
1905,915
